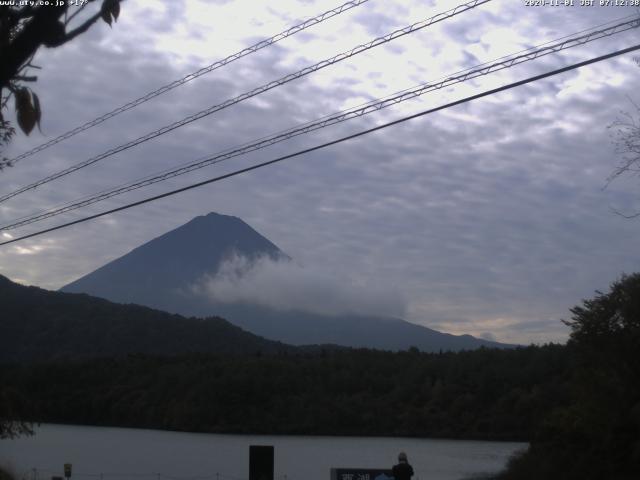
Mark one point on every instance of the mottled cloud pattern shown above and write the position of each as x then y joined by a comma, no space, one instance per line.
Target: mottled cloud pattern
490,218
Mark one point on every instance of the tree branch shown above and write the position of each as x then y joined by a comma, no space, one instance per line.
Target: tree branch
82,28
37,31
71,17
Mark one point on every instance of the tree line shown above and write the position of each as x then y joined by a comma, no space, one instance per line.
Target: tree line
483,394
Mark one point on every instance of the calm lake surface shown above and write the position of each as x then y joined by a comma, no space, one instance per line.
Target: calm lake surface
122,453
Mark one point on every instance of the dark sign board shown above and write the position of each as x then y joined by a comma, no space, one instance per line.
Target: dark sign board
361,474
260,462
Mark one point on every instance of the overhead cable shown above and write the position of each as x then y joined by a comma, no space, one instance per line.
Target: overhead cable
257,91
468,74
192,76
328,144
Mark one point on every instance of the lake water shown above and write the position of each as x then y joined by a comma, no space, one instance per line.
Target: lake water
99,453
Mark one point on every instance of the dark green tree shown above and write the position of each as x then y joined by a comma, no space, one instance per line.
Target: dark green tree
597,436
13,406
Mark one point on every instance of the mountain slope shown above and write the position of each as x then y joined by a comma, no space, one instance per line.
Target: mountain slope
159,273
162,272
40,325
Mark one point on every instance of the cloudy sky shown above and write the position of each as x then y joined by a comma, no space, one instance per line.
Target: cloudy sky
491,217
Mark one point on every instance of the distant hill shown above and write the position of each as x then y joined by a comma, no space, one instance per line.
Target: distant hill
40,325
161,272
359,331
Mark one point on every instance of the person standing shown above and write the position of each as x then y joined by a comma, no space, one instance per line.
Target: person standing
402,470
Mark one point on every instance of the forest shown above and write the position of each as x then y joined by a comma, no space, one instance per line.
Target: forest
578,405
489,394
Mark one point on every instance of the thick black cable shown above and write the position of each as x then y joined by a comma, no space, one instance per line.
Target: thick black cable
187,78
334,142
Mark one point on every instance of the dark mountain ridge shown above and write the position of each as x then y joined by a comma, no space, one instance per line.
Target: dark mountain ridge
41,325
162,273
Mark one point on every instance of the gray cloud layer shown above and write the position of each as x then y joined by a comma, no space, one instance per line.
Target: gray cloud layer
489,218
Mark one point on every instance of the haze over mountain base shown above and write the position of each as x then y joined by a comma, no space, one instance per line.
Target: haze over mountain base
216,264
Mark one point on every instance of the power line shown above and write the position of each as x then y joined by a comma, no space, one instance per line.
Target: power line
276,83
333,142
356,112
207,160
192,76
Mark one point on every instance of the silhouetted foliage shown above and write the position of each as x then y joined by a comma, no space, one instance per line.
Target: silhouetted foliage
23,30
14,408
597,435
483,394
5,474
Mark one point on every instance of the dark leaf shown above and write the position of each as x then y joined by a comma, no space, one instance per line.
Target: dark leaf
36,107
22,96
116,10
106,15
25,111
109,9
27,120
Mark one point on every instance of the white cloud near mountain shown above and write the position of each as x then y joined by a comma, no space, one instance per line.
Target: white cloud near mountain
287,286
